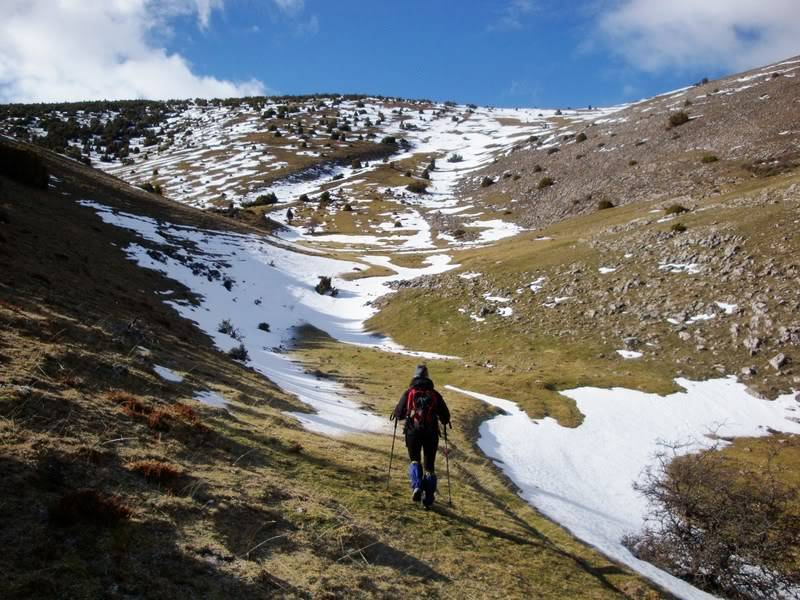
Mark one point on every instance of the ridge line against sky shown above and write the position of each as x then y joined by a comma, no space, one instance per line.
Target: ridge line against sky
505,52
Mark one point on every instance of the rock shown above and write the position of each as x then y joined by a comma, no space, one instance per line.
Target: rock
631,343
685,336
748,371
778,361
143,353
752,343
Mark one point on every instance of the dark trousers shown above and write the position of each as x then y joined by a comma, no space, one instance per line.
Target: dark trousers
419,442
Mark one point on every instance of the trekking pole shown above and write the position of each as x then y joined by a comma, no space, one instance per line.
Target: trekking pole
391,456
447,463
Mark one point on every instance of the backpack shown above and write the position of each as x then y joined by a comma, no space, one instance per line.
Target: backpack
421,410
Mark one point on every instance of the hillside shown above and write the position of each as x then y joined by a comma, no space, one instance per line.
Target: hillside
203,335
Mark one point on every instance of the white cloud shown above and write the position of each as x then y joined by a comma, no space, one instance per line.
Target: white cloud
290,7
654,35
77,50
512,15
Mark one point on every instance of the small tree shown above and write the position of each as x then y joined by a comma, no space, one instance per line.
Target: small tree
728,528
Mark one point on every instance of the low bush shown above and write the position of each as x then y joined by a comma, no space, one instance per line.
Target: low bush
264,326
678,228
675,209
537,168
325,286
225,326
262,200
417,186
604,204
729,527
389,139
552,150
454,158
581,137
154,470
239,353
487,181
708,158
545,182
304,198
677,119
633,163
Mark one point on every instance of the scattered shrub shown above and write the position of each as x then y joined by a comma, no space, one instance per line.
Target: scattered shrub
389,139
356,164
454,158
678,118
153,470
225,326
678,227
552,150
417,186
304,198
675,209
131,405
537,168
604,204
89,506
486,181
263,326
347,207
581,137
325,286
633,163
325,196
709,158
239,353
296,448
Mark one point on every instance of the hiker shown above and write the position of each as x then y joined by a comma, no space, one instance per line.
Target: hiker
423,408
289,215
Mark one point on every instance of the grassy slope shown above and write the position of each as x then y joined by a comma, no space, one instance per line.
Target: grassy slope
262,507
542,349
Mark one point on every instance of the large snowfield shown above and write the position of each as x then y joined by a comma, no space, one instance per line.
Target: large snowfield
580,477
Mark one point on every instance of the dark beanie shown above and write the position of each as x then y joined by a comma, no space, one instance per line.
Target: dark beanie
421,372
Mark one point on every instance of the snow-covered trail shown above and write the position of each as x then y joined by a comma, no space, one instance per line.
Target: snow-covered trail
582,477
255,293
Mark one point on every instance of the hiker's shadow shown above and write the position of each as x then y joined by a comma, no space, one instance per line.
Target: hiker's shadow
378,553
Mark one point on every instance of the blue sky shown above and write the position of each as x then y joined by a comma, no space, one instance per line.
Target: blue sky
498,52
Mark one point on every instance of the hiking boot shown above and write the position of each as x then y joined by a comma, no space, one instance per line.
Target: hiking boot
428,489
416,495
